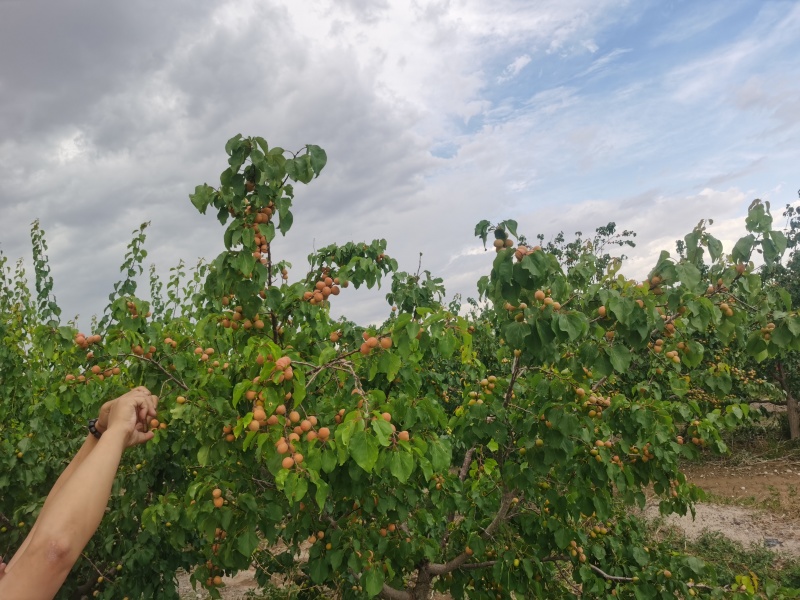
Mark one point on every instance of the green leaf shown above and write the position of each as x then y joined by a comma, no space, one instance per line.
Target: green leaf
202,197
202,456
364,450
640,556
714,247
390,364
322,492
383,431
401,465
573,323
246,542
318,570
689,275
318,156
743,248
620,357
563,538
373,581
441,454
295,487
515,334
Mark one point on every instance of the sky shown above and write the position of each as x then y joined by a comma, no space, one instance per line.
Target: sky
561,114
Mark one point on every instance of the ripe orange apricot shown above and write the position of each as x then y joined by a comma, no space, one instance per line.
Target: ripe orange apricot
403,436
324,433
386,417
294,416
287,462
386,343
216,493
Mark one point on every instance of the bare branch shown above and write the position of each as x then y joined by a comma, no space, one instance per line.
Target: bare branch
462,475
458,561
605,575
389,593
480,565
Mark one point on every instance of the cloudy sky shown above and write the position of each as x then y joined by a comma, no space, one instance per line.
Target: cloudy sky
563,114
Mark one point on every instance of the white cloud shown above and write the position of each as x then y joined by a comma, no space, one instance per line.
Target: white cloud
514,68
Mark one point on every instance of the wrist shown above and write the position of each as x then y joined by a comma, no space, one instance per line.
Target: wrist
117,434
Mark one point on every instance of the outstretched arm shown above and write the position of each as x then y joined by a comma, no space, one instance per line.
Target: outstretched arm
76,505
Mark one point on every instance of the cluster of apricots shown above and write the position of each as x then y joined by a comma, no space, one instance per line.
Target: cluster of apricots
323,288
594,403
371,342
144,353
133,311
522,251
84,342
235,319
500,244
214,579
96,371
488,385
576,551
644,455
216,498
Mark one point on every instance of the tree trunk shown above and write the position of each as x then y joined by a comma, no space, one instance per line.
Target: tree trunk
793,412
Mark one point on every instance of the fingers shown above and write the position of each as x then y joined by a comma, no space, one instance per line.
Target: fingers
140,437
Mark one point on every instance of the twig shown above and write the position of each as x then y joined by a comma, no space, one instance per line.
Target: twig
605,575
160,368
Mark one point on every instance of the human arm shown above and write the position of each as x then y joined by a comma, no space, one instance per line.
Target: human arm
76,504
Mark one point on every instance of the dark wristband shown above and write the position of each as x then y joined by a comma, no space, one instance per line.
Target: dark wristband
93,429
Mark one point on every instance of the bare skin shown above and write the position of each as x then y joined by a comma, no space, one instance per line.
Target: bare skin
76,504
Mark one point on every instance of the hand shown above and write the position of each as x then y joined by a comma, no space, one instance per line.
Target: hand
2,567
130,413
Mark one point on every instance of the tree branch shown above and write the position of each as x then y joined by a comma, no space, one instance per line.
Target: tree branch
462,475
156,364
458,561
389,593
605,575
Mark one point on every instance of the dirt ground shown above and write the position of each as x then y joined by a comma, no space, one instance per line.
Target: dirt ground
753,503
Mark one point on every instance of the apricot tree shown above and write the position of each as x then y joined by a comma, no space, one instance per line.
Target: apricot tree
492,453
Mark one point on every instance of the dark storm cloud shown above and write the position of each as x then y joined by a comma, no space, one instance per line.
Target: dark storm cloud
148,100
57,58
